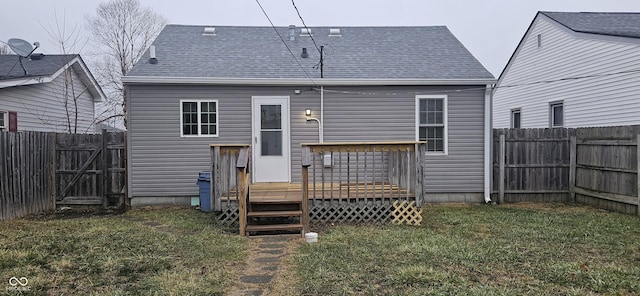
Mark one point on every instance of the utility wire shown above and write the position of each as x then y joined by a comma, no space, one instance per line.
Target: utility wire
305,25
598,75
285,43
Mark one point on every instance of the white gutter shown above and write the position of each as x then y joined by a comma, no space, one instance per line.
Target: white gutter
488,133
299,81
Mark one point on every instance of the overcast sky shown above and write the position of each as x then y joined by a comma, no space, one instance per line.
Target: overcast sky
490,29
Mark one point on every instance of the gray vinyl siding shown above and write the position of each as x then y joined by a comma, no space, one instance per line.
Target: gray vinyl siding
40,107
164,164
604,100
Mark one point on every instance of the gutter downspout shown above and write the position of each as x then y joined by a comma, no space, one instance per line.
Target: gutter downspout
321,123
488,94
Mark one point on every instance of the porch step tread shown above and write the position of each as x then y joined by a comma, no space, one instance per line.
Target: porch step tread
275,201
273,227
275,214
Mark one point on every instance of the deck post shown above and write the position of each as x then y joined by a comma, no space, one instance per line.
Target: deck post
242,174
306,163
215,178
419,179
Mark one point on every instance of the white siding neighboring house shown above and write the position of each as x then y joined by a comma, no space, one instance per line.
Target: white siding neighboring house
35,100
572,69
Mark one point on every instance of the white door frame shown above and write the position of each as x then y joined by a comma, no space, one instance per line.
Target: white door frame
286,137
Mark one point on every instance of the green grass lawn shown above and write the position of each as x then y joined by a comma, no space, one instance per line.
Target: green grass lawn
170,251
549,249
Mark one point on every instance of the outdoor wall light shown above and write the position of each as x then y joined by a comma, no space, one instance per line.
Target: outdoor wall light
307,112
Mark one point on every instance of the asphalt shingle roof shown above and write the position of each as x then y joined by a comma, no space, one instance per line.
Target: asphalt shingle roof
604,23
359,53
46,66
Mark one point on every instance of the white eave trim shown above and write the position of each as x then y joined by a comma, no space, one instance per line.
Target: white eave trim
298,81
85,75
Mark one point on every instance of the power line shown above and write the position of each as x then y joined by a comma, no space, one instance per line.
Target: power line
598,75
285,43
305,26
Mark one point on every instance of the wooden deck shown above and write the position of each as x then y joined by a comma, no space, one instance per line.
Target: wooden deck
332,191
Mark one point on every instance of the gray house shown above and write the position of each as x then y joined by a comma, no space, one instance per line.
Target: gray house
201,85
47,94
572,69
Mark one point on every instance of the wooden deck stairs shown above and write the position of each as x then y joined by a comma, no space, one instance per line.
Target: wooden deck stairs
271,210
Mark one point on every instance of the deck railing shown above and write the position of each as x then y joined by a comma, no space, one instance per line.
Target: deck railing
371,173
225,162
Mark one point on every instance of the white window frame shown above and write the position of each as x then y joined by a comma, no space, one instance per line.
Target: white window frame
552,105
4,123
445,121
513,112
198,104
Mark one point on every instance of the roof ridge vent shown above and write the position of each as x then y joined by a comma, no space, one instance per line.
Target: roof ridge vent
306,32
334,33
209,31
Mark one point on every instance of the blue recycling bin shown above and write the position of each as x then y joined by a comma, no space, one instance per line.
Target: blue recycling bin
204,182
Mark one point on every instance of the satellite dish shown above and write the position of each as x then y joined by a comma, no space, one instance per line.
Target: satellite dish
20,47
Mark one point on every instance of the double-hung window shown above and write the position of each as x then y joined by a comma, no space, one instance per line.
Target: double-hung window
431,119
199,118
516,117
4,126
556,114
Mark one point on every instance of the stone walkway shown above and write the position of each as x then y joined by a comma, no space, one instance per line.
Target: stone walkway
263,264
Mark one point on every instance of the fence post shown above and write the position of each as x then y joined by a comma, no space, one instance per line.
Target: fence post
501,177
53,156
573,150
105,169
638,170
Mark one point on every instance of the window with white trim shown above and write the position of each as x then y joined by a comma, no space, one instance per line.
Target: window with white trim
556,114
516,117
199,118
4,118
431,119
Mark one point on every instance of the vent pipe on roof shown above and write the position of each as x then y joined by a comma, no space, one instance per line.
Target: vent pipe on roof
304,54
292,33
152,55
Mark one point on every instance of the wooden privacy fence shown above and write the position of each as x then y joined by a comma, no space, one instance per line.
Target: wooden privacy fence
39,170
26,179
594,166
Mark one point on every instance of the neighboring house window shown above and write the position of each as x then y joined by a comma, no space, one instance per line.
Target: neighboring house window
431,119
539,40
556,114
199,118
515,118
3,121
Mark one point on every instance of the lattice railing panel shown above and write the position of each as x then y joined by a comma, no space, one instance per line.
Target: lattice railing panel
405,212
350,213
229,216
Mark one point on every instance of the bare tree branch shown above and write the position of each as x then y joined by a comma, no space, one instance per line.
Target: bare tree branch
122,31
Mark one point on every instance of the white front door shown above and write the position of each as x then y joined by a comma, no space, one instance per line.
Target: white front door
270,116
